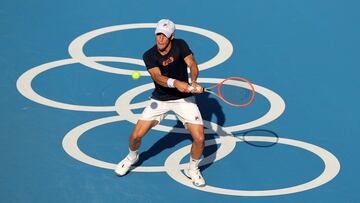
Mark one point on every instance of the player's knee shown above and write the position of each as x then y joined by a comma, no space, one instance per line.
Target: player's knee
137,136
199,139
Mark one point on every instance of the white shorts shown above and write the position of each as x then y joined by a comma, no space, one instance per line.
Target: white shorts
185,109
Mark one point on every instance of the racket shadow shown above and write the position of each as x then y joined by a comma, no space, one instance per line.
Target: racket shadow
245,136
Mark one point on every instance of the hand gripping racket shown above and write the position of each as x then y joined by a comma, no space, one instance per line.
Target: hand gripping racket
235,91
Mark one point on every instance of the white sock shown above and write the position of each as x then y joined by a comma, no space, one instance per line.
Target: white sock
193,164
132,154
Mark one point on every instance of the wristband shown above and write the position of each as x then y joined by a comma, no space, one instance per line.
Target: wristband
170,83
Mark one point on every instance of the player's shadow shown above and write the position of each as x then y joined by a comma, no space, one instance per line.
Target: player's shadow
208,107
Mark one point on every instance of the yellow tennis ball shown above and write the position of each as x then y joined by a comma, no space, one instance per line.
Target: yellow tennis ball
136,75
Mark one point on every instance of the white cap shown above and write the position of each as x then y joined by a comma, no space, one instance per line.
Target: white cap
166,27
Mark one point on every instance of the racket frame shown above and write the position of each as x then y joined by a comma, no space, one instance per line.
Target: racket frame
219,95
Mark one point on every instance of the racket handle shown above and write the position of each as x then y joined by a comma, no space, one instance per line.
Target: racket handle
191,88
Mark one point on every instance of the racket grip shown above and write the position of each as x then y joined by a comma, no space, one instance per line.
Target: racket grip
191,88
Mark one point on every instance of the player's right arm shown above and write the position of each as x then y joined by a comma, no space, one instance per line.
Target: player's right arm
162,80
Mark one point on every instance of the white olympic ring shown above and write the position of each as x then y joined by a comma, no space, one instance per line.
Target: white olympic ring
123,107
277,107
332,168
23,85
76,47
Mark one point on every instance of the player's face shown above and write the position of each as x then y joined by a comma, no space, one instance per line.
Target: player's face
161,41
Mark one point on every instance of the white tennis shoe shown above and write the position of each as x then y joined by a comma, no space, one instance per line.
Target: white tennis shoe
124,166
195,176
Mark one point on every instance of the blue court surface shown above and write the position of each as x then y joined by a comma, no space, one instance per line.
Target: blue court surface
69,103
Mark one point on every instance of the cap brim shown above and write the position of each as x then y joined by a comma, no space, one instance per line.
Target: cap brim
162,31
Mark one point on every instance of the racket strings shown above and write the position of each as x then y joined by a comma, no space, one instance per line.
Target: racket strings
236,91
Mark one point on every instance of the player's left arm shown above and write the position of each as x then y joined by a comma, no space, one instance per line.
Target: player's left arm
194,72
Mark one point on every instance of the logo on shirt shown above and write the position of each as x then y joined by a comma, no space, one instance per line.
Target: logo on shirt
166,62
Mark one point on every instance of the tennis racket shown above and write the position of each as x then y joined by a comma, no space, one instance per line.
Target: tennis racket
235,91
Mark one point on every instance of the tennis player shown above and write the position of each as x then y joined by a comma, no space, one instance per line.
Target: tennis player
167,63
